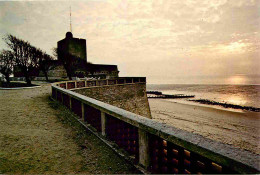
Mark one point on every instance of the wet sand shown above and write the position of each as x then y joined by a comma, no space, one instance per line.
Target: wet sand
240,129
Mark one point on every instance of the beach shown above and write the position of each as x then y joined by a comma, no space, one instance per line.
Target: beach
240,129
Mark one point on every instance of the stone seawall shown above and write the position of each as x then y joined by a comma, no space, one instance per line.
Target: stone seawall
145,140
131,97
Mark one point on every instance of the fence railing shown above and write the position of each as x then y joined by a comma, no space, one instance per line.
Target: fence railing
34,78
102,82
157,147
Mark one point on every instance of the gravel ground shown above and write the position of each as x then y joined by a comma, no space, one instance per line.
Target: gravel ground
34,139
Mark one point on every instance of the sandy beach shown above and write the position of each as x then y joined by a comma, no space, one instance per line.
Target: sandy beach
240,129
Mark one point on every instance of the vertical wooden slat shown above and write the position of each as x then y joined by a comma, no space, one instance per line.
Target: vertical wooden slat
144,157
56,94
70,102
62,98
103,123
85,115
82,110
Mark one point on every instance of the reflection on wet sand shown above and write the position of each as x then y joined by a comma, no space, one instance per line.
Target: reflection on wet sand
239,100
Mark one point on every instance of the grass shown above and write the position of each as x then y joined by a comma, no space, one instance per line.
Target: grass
34,142
99,157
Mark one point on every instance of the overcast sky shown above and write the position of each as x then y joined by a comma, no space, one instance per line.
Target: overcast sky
171,41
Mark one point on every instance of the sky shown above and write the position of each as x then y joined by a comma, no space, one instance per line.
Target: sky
167,41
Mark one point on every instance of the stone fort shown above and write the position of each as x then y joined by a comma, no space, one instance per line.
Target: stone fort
72,58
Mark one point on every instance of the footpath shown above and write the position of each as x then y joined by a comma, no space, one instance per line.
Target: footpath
36,139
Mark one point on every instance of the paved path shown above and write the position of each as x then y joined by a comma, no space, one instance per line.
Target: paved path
34,141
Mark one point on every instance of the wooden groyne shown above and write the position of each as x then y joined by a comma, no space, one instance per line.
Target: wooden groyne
158,94
226,105
154,92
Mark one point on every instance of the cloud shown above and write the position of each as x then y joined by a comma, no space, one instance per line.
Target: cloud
147,38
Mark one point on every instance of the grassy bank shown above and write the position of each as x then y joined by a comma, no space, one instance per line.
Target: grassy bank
99,158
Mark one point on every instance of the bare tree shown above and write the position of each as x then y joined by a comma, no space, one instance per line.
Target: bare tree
6,64
26,57
45,64
67,61
55,52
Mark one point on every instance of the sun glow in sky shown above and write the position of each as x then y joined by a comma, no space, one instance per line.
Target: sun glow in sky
168,41
238,79
234,47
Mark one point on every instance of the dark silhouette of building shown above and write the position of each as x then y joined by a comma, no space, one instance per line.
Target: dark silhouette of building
72,46
72,59
72,52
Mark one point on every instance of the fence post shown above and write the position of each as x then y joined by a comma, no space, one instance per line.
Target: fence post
66,85
76,84
103,123
70,103
56,91
62,98
82,110
144,158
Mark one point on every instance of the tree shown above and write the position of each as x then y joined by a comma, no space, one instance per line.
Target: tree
55,52
26,56
6,64
45,64
68,62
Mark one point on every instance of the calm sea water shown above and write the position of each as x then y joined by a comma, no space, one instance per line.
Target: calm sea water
245,95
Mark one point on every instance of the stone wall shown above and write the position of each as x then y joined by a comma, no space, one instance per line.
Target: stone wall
57,71
131,97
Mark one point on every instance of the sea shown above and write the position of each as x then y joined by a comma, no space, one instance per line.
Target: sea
243,95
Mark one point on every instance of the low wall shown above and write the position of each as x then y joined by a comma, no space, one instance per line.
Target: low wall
157,147
131,97
34,78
